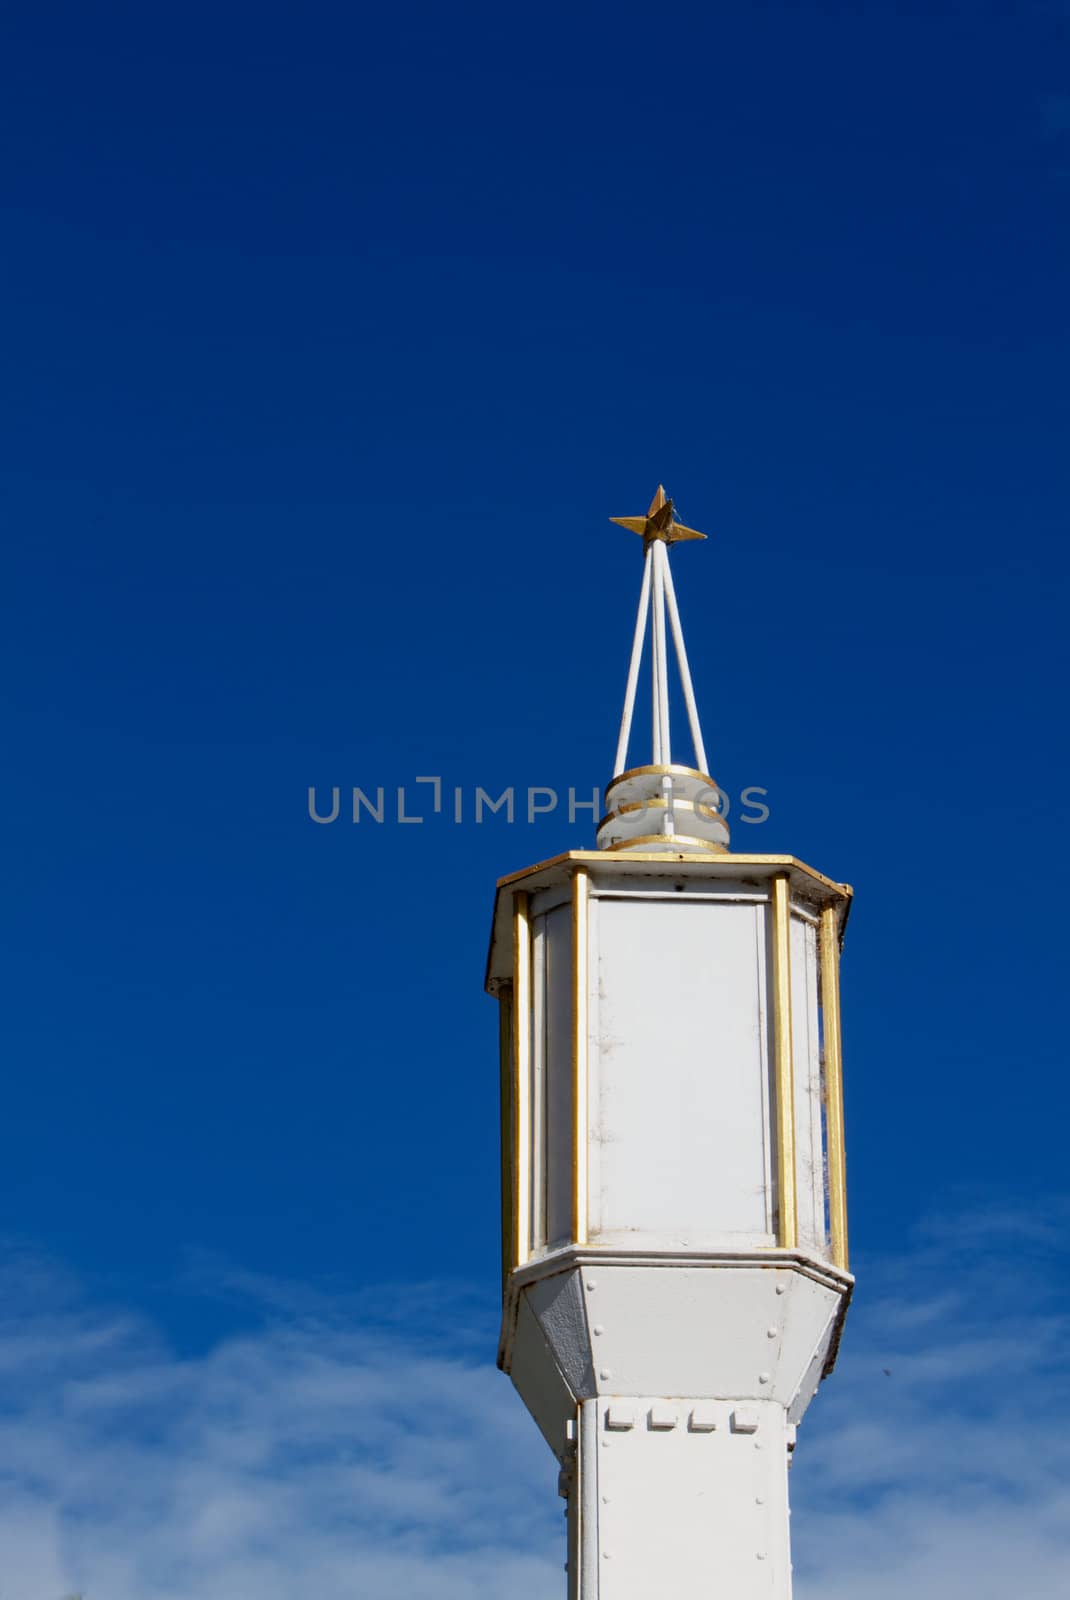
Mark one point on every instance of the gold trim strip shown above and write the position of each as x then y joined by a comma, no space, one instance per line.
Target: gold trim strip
508,1125
834,1127
522,1076
785,1064
581,887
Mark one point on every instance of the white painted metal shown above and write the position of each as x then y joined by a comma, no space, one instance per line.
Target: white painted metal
551,1403
657,601
587,1465
684,1324
633,667
539,1163
668,1355
735,1346
706,874
682,1512
662,741
680,1117
679,1073
552,997
809,1131
660,800
636,810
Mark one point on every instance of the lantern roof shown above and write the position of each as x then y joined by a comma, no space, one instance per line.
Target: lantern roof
657,870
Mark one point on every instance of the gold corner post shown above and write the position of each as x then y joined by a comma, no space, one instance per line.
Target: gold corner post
508,1128
788,1236
521,1242
581,894
834,1129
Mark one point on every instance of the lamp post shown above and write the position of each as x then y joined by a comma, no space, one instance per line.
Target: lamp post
674,1224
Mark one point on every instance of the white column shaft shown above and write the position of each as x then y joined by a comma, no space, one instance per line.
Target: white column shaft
668,1507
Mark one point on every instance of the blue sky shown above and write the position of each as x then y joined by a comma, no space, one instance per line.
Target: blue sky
332,339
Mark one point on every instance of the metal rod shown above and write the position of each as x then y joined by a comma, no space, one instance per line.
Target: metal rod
685,670
662,745
633,669
834,1128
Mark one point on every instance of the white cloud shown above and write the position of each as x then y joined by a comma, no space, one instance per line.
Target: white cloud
936,1460
346,1452
307,1460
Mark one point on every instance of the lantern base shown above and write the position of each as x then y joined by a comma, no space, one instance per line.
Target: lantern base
750,1327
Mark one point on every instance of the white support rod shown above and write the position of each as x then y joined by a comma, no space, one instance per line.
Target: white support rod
662,745
685,671
657,601
633,669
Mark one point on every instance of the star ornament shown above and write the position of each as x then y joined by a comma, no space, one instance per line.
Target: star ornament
659,523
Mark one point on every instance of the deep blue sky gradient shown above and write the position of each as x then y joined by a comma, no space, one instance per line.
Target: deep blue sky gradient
333,335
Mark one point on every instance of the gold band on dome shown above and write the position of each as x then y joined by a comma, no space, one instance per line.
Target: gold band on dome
662,805
681,843
673,771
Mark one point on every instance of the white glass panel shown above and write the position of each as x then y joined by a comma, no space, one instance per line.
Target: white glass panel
680,1070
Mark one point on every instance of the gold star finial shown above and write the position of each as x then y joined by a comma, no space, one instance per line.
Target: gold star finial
659,522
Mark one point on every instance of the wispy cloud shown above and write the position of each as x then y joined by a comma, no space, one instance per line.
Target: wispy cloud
351,1449
313,1459
936,1461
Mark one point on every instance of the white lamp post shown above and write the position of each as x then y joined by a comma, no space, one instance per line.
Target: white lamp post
675,1272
